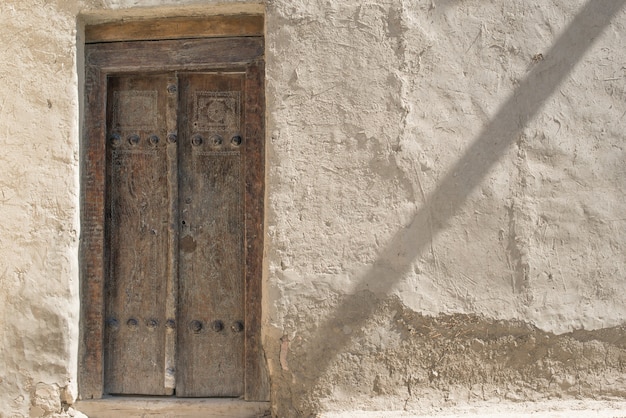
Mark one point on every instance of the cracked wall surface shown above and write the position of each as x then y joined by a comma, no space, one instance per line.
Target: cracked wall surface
455,146
402,360
445,218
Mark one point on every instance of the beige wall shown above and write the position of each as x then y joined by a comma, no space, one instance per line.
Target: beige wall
445,200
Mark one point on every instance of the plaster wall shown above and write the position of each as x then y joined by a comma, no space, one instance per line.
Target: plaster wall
445,217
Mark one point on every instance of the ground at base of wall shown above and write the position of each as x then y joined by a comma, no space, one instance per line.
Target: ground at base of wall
547,409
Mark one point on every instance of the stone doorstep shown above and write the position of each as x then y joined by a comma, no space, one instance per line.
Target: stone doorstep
131,407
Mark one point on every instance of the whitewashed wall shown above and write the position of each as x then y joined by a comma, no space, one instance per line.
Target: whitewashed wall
446,218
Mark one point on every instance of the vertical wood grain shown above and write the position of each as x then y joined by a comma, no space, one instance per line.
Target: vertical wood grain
138,213
211,302
92,245
171,302
256,379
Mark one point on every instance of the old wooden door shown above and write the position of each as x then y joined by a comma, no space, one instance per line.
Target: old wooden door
172,209
175,293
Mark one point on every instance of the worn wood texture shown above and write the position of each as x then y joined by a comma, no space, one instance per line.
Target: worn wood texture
143,407
171,301
92,243
237,197
211,270
176,28
256,380
138,215
190,54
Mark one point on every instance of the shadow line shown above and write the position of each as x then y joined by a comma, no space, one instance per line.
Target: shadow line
454,189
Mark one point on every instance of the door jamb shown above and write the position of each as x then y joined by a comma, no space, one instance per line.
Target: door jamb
204,54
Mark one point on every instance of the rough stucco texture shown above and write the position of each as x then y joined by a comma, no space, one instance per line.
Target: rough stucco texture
446,218
38,190
463,158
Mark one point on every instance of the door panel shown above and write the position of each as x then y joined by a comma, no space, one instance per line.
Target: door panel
136,317
175,253
211,262
139,236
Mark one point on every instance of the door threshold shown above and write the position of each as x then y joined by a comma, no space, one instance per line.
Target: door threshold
148,406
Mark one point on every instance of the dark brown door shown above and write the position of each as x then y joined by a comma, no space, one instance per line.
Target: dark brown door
177,165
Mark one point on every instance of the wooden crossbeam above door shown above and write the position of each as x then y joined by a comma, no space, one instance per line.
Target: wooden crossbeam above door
176,28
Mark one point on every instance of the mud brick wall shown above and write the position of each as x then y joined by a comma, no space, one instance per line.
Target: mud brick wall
445,219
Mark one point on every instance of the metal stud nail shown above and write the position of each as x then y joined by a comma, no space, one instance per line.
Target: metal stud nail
133,139
236,140
153,139
152,323
113,324
172,88
132,322
216,140
170,323
172,138
217,325
115,139
237,326
195,326
197,140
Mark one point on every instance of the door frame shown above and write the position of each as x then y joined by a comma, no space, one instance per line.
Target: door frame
211,54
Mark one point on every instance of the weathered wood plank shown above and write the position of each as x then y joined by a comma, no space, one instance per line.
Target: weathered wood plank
138,213
92,242
188,54
211,303
176,28
171,301
256,380
136,407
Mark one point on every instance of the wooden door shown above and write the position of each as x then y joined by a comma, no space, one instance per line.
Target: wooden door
168,308
175,295
211,304
140,217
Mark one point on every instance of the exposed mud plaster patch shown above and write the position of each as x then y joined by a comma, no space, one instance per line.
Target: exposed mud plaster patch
45,400
400,359
518,247
284,350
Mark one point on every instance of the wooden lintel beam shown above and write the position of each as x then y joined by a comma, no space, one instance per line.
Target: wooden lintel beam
176,28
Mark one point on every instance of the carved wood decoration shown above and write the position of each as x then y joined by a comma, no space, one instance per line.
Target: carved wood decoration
138,218
211,349
172,215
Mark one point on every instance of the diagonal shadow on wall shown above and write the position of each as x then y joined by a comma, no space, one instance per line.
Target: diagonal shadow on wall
454,189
